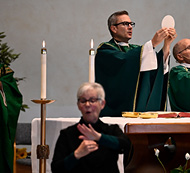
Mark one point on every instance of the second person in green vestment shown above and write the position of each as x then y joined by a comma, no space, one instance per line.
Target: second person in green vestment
179,78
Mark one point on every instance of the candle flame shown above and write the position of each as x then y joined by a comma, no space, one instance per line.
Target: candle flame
91,44
43,44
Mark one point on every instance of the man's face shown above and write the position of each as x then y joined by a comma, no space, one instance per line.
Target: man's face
90,106
122,32
185,51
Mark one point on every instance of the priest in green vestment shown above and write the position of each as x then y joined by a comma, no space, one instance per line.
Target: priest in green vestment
134,77
179,78
11,101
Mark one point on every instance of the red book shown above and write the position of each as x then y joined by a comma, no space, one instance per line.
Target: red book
184,114
168,115
174,115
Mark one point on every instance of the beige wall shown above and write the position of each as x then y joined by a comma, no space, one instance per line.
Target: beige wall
67,27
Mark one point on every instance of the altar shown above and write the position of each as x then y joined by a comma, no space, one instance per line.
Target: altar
170,135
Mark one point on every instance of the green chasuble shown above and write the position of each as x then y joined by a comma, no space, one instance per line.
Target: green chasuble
11,101
179,89
126,88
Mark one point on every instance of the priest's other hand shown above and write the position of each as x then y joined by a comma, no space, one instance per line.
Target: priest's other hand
171,36
159,36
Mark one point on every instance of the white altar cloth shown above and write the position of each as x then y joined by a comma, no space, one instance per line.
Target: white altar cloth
54,125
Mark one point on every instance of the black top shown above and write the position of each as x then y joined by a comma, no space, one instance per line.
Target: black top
103,160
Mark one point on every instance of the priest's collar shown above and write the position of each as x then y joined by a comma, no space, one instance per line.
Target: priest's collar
185,65
121,43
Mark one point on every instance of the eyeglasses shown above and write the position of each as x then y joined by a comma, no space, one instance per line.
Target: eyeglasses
91,101
125,24
188,47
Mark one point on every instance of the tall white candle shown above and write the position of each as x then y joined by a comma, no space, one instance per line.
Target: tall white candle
91,62
43,70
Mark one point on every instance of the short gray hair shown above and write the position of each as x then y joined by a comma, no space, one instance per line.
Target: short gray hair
87,86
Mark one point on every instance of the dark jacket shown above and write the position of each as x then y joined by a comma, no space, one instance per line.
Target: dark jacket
103,160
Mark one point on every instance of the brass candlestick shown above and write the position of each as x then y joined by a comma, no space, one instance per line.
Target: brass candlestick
43,149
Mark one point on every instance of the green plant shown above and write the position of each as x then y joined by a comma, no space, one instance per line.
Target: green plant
7,56
180,169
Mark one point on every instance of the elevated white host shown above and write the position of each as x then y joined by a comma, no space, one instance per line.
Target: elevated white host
168,22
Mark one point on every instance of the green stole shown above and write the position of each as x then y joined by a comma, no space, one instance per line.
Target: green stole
178,91
125,48
9,113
